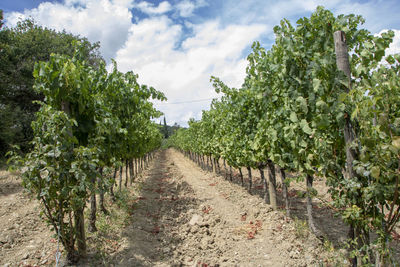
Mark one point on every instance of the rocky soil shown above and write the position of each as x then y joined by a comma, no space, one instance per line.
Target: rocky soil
176,215
25,239
187,217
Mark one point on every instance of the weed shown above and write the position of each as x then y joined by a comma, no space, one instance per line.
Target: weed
121,198
103,223
328,246
301,228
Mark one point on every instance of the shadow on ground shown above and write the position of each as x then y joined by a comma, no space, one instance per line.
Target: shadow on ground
10,187
330,226
162,201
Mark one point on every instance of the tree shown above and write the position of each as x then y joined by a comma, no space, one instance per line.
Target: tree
1,19
22,46
165,129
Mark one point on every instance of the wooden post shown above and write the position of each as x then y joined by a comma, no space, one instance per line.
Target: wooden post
101,200
342,55
114,182
343,64
131,172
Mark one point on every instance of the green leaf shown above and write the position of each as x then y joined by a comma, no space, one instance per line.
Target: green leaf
342,97
396,142
293,117
320,103
375,172
302,104
355,112
303,143
316,84
305,127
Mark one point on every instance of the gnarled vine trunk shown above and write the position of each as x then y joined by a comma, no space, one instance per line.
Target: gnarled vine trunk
120,178
250,179
113,183
126,172
285,192
272,184
241,176
265,185
309,182
101,193
92,218
80,232
226,170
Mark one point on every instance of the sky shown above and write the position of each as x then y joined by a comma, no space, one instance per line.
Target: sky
177,45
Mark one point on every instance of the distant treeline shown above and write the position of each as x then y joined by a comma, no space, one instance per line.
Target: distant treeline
168,130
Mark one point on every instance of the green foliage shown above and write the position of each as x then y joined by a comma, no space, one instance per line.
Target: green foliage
1,18
90,119
292,109
301,228
21,47
12,126
57,171
377,103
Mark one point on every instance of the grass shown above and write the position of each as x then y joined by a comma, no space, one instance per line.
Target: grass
301,227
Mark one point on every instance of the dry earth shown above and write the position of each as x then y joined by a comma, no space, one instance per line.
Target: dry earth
187,217
180,215
25,239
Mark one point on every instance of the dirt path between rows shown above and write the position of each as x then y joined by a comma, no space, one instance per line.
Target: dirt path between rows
177,215
187,217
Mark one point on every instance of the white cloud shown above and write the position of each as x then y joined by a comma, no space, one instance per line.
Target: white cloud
394,47
105,21
187,7
379,14
150,9
188,116
158,49
269,12
183,74
75,2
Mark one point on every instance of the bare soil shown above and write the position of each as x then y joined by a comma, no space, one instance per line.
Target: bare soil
188,217
25,239
177,215
326,220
